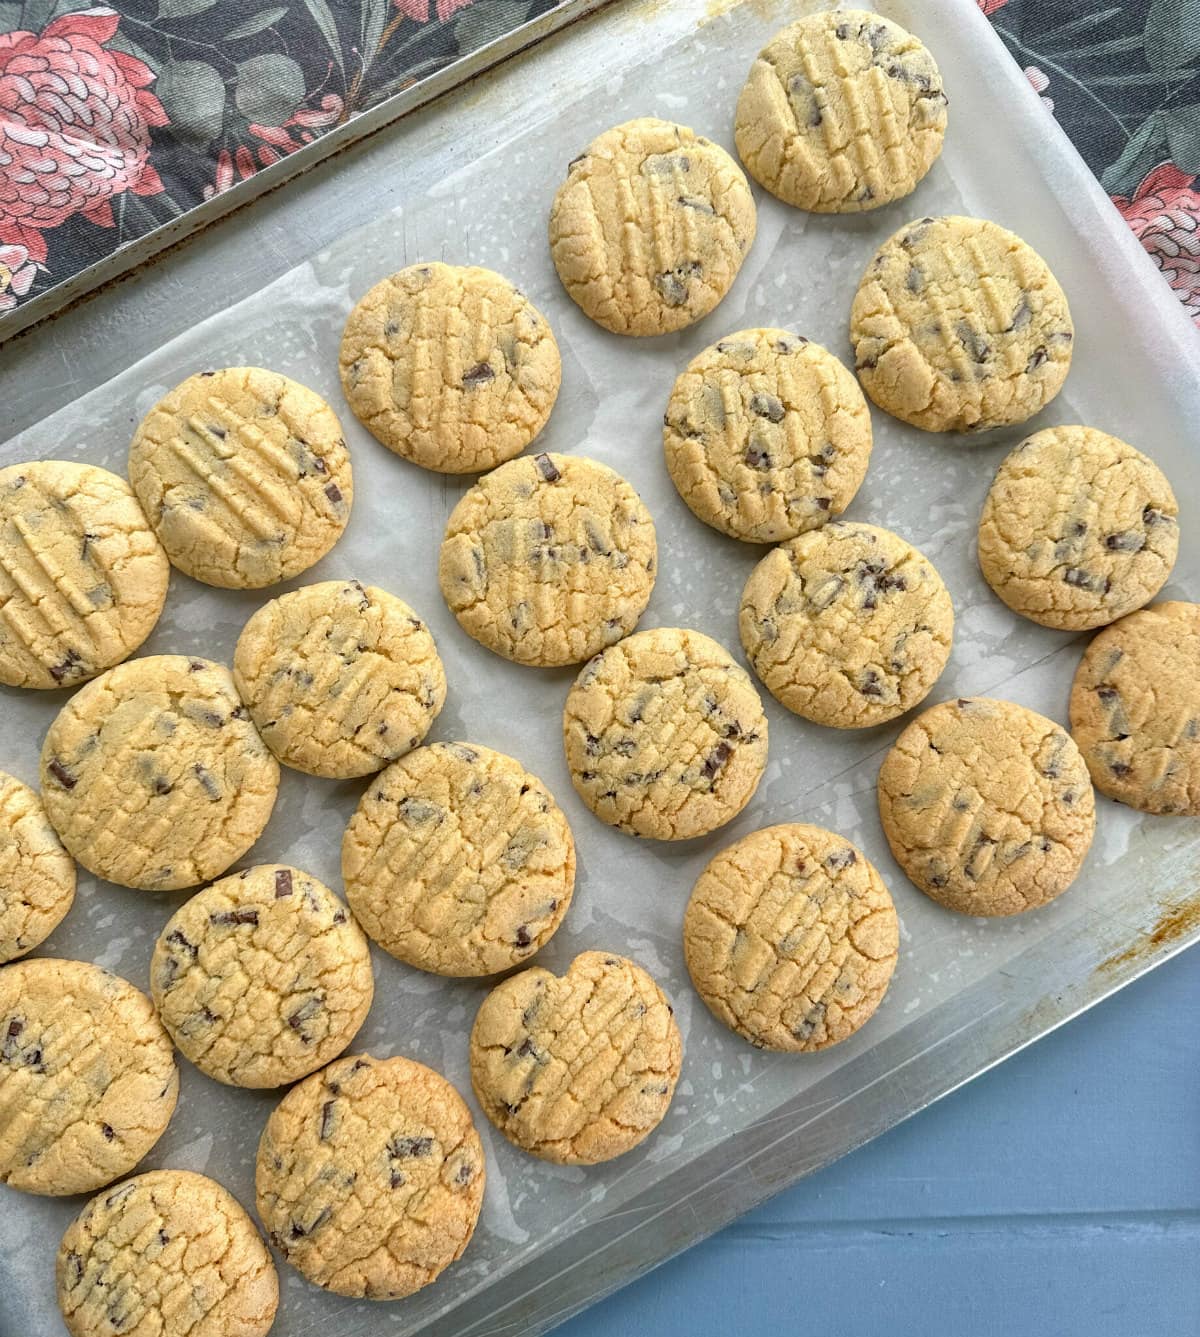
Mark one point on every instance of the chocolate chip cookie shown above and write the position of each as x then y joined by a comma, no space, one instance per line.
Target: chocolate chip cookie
665,735
154,775
848,626
1135,709
37,875
959,326
1078,529
82,577
987,806
650,227
370,1177
244,475
450,366
548,559
580,1067
458,861
766,435
168,1253
87,1076
791,938
339,678
263,977
841,112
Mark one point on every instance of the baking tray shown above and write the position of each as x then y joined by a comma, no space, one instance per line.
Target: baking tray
967,992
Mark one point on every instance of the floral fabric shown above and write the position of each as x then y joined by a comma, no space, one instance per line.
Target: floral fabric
1123,80
112,122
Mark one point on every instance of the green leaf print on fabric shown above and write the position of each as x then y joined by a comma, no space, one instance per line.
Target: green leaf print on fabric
1172,33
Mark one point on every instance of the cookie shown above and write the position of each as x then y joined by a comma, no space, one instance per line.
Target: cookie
458,861
766,435
548,559
841,112
169,1253
87,1076
1135,709
154,775
665,735
791,938
338,678
650,227
450,366
987,806
580,1067
848,626
1078,529
263,977
82,577
244,475
958,326
37,876
370,1177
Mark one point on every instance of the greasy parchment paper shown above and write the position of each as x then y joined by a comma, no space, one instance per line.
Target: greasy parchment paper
1134,374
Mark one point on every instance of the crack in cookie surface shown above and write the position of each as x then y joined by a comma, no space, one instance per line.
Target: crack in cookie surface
766,435
450,366
1078,529
83,579
370,1177
1135,709
650,227
576,1068
958,326
791,938
841,112
987,806
87,1076
262,977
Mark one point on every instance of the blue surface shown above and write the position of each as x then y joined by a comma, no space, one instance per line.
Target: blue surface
1056,1196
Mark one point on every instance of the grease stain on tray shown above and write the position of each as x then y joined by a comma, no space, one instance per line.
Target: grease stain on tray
764,9
1176,922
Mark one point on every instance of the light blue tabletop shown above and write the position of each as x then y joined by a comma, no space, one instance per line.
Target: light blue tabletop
1056,1196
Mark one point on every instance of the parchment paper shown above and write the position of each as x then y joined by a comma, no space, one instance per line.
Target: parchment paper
489,207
